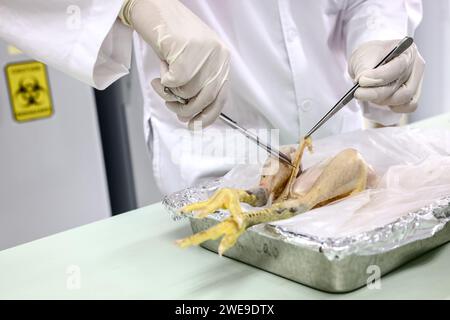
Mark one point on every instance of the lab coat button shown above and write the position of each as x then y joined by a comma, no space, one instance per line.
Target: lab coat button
306,105
292,35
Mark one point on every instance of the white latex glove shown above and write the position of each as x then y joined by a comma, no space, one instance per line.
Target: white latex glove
397,84
194,61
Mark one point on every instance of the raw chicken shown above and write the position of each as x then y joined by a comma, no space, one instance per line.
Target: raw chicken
288,192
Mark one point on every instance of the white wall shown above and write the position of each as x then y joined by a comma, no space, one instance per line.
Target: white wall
52,175
433,40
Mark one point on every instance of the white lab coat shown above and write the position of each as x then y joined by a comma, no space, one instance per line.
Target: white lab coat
288,66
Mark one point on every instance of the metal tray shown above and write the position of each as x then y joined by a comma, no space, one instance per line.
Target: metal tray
331,264
312,267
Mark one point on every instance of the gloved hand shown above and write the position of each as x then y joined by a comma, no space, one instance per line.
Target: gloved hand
396,84
194,62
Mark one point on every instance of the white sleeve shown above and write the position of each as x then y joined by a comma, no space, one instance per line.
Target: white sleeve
366,20
82,38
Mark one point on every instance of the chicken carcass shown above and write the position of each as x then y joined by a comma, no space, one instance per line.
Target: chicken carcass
289,191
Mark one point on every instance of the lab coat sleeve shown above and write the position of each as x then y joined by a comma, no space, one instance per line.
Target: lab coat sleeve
366,20
379,20
82,38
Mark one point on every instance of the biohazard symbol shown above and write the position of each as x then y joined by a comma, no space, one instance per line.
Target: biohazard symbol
30,92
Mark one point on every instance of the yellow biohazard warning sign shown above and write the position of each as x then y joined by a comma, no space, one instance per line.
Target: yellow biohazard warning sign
29,90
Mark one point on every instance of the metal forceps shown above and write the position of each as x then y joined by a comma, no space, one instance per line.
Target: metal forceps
250,135
401,47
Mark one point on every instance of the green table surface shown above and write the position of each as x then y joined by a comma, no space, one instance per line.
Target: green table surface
133,256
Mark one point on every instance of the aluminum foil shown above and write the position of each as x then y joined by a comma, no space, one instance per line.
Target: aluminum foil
417,225
420,224
177,200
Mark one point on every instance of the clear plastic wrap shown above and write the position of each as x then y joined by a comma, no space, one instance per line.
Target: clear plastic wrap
413,167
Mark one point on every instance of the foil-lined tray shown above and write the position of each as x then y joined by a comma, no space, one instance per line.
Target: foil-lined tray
331,264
